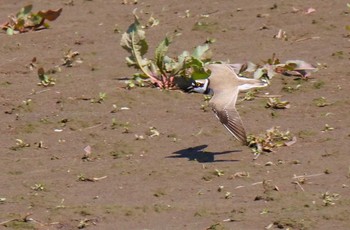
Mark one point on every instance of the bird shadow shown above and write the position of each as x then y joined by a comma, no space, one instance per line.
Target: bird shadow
199,154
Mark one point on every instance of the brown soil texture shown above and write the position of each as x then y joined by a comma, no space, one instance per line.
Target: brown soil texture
194,175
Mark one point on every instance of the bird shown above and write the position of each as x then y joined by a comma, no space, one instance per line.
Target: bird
224,85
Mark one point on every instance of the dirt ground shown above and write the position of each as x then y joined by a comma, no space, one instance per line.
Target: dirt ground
194,175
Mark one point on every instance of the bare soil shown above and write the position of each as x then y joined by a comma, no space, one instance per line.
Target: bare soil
194,175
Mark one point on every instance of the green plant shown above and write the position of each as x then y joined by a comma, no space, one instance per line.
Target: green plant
25,20
321,102
101,97
163,70
45,78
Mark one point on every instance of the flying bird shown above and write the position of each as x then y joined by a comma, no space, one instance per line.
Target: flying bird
224,84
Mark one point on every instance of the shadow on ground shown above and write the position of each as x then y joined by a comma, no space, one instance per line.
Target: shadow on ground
199,154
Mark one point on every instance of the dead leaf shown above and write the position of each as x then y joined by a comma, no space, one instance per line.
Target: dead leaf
50,15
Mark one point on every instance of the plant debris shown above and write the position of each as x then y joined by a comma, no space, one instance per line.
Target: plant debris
321,102
25,20
273,138
276,103
81,177
329,199
20,144
45,79
70,57
273,66
152,132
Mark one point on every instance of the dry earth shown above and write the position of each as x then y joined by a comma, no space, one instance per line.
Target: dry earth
185,178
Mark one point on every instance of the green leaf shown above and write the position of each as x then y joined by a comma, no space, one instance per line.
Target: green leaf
36,19
170,64
134,41
259,73
24,11
9,31
199,73
42,75
180,65
160,53
202,52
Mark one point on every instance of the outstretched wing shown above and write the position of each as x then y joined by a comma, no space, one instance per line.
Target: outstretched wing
224,107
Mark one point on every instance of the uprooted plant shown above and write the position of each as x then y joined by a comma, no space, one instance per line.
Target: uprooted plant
172,73
25,20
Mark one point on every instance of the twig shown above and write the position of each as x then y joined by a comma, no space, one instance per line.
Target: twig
94,126
305,176
41,91
23,219
242,186
99,178
7,221
267,96
304,39
297,183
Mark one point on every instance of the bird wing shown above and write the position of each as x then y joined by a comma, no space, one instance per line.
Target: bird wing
224,107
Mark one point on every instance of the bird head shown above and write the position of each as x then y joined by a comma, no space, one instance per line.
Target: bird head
199,86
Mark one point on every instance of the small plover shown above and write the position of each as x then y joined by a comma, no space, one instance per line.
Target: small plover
224,84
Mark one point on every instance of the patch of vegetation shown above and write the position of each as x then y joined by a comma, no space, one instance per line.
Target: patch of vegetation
273,138
101,97
217,226
25,20
306,133
209,27
120,154
20,144
276,103
219,172
290,89
329,199
338,54
161,207
159,192
318,84
162,70
321,102
5,84
38,187
327,127
15,173
17,224
45,78
201,213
